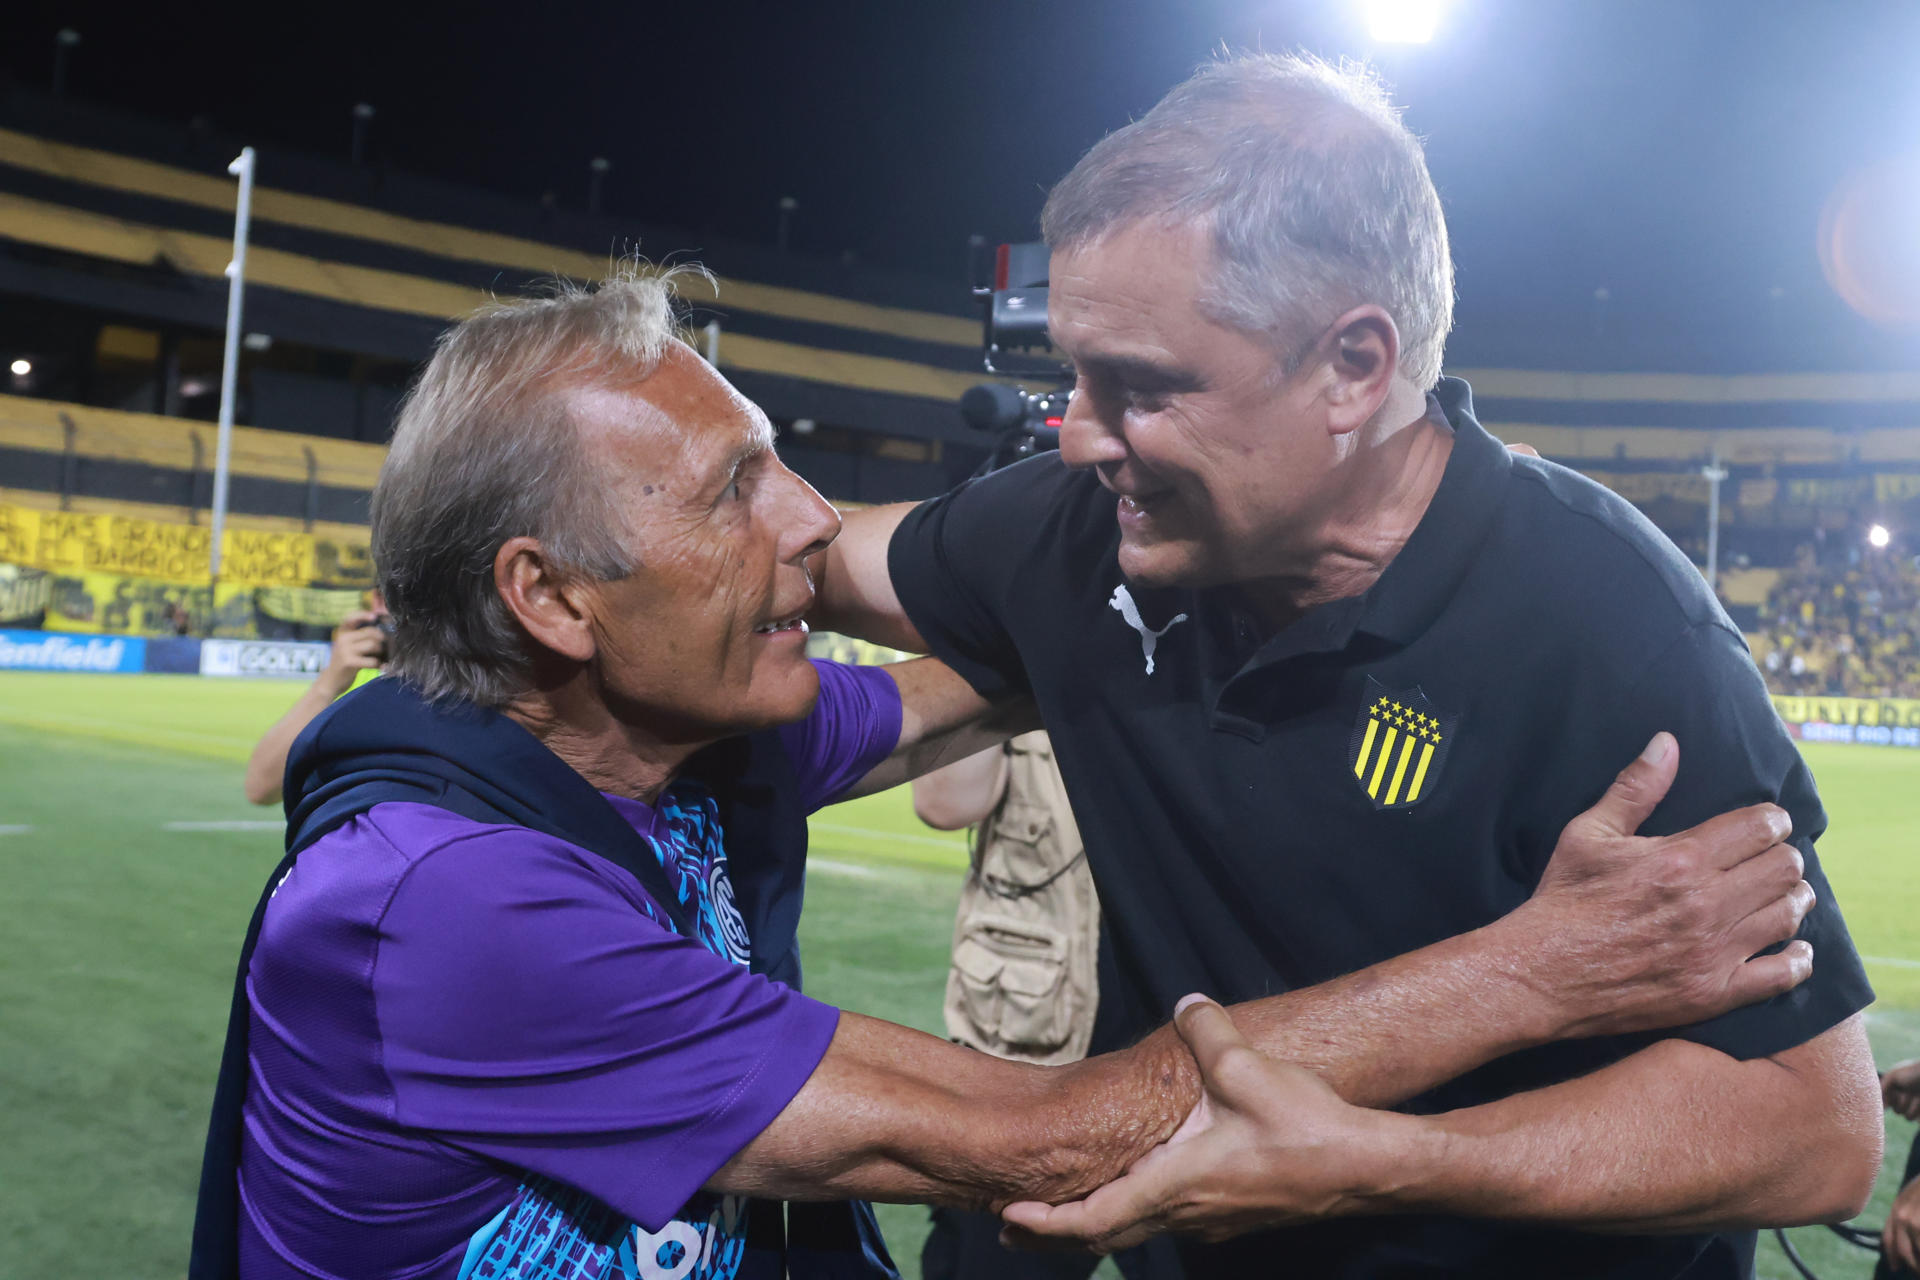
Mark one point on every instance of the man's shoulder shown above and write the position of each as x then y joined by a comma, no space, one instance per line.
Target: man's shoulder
1040,505
999,573
349,879
1569,541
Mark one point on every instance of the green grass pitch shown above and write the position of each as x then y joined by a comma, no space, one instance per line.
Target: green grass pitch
118,936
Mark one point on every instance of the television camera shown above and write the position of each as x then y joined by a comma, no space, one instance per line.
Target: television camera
1013,292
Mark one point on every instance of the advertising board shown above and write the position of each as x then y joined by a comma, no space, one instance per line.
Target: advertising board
1886,722
49,651
292,660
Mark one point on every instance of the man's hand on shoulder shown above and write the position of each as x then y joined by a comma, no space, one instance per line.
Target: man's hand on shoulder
1629,933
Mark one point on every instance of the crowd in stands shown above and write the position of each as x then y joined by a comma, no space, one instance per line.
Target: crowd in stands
1844,620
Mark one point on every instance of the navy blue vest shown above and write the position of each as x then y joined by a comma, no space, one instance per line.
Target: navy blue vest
383,743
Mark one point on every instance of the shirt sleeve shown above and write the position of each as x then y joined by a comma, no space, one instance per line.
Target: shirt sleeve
529,1012
956,562
854,726
1734,752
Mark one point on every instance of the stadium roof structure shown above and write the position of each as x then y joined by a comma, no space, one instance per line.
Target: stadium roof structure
383,273
129,218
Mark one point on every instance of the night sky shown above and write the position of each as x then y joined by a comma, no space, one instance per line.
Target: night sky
1676,152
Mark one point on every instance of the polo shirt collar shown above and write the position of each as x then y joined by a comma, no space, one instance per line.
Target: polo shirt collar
1420,581
1412,591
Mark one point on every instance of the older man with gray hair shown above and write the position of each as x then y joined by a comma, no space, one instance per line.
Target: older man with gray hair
1326,671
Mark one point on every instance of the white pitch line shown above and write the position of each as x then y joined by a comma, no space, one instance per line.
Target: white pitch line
951,845
242,824
1895,961
831,867
17,829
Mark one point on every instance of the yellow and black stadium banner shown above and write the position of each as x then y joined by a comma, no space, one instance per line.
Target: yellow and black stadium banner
118,575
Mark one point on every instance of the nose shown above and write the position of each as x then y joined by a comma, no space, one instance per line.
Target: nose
809,521
1087,439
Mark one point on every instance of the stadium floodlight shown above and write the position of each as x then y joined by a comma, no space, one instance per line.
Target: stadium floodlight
241,168
21,368
1403,21
1879,536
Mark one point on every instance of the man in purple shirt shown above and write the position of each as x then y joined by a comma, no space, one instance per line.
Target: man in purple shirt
506,1028
421,975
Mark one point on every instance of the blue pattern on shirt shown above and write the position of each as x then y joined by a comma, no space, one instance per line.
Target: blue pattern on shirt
552,1232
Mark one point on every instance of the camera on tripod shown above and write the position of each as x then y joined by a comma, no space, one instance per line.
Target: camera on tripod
1015,344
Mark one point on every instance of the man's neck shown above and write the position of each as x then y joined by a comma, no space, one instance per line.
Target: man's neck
1377,497
572,721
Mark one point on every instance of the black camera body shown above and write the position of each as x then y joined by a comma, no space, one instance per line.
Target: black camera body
1015,344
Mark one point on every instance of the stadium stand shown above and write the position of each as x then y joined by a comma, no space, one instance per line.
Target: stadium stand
1843,621
114,237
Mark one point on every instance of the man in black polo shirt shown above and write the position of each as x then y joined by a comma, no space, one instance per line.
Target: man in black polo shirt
1328,670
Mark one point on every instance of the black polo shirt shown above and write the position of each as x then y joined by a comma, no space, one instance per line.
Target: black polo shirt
1390,770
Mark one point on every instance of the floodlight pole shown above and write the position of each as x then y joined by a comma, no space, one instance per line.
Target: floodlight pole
242,168
1715,474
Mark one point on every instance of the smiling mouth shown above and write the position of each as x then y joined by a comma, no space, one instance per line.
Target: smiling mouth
1140,504
795,623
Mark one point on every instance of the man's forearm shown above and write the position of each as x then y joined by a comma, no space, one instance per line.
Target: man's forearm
1677,1137
897,1115
947,1125
1394,1030
855,594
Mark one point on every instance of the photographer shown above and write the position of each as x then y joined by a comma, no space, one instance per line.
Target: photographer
359,653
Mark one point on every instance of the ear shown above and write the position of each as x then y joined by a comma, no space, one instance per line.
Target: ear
551,608
1362,363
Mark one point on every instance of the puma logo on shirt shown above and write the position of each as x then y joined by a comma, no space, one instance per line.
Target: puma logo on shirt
1122,602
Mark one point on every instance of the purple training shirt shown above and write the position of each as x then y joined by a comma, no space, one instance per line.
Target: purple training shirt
475,1051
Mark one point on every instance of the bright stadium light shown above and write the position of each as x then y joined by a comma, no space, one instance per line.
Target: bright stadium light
21,368
1879,536
1403,21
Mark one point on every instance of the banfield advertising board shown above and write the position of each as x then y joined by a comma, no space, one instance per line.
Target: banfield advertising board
52,651
262,658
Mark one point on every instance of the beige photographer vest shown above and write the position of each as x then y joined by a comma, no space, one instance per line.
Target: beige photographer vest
1024,980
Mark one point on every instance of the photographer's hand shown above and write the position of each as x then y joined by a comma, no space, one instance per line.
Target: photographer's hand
1900,1089
358,645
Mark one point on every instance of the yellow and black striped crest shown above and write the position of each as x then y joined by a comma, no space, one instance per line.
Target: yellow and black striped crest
1399,744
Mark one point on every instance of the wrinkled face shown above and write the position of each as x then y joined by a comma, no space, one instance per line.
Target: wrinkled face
704,639
1216,461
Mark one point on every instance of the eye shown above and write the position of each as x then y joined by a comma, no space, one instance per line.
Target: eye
732,491
1146,400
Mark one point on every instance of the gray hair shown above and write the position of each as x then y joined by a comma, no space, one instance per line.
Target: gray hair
483,452
1319,199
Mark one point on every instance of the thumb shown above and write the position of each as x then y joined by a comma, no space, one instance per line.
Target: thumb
1211,1035
1639,789
1524,450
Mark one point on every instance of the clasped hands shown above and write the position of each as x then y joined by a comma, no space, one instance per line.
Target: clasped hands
1624,933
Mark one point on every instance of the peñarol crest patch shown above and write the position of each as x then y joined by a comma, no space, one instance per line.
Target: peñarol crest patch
1398,746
